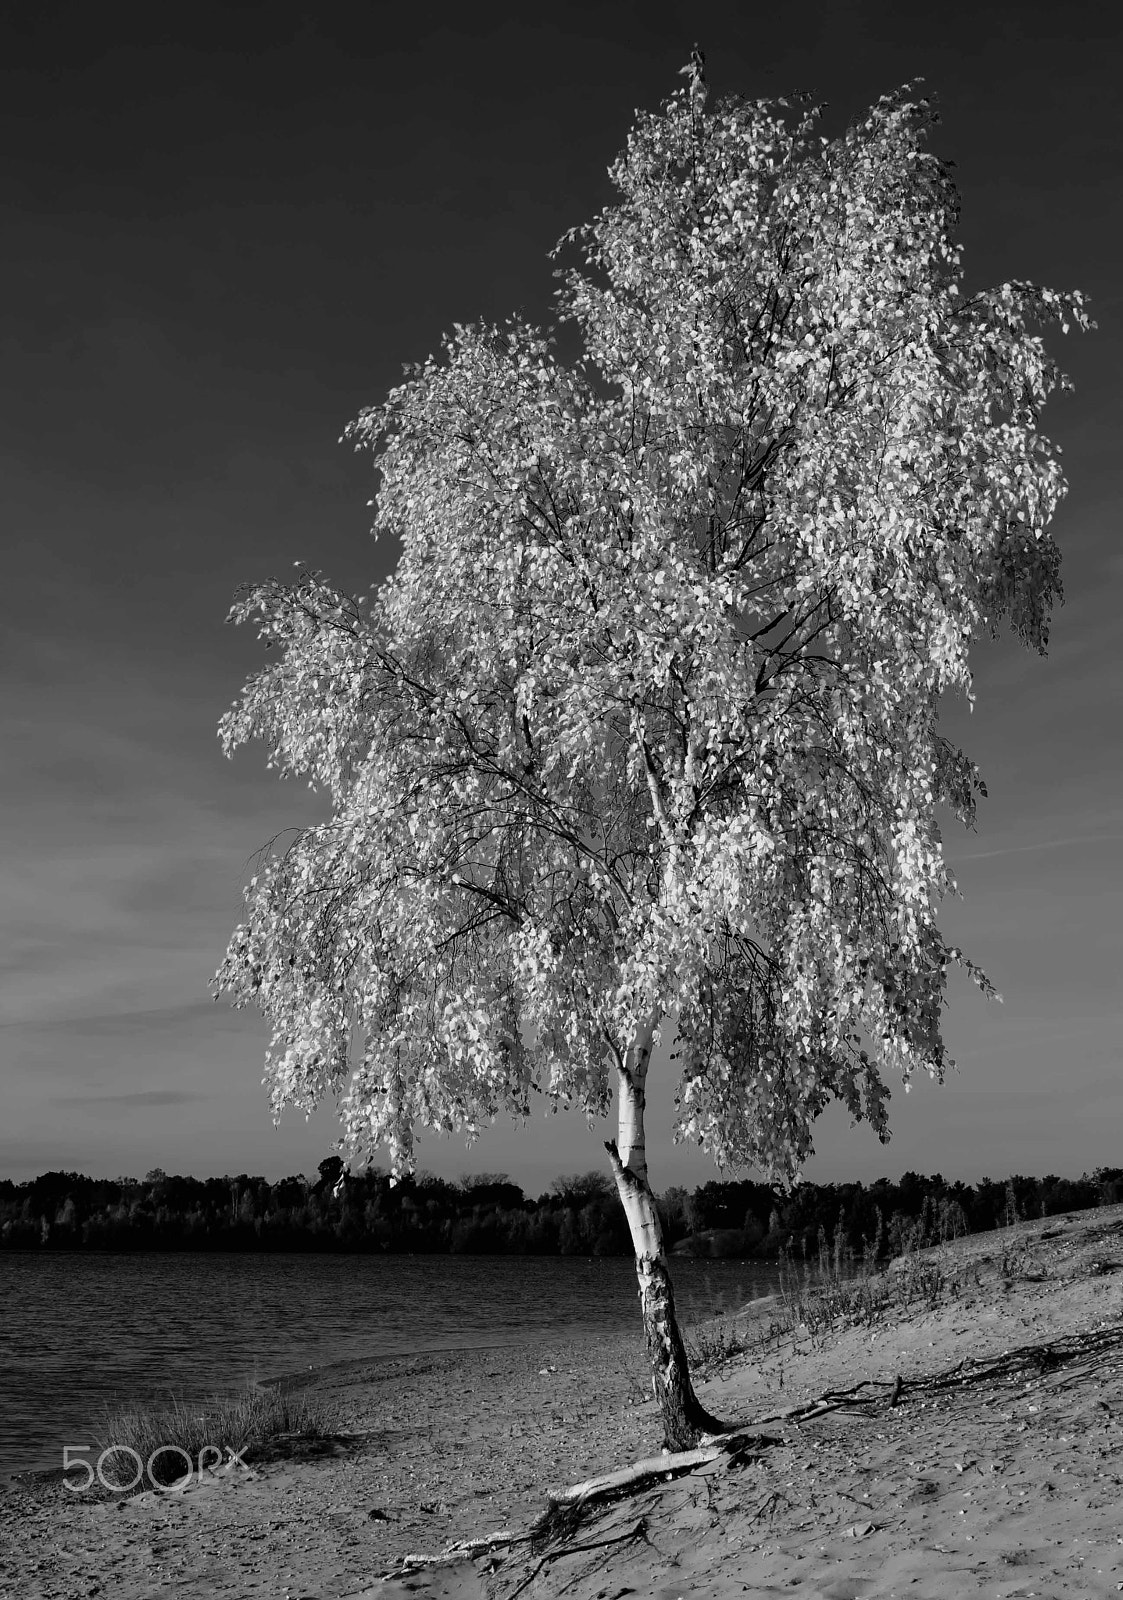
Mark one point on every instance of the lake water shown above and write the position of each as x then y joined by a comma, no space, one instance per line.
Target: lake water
82,1331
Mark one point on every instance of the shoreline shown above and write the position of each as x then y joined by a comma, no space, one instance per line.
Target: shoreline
993,1471
70,1366
337,1373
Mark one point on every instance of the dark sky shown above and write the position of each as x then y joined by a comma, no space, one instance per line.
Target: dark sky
224,231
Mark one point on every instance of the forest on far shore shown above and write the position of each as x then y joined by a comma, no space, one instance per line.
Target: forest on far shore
487,1214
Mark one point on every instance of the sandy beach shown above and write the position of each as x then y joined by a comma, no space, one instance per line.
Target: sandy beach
994,1467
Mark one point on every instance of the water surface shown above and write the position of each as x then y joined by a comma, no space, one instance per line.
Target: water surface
80,1331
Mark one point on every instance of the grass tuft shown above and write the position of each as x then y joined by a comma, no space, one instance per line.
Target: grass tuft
841,1289
247,1423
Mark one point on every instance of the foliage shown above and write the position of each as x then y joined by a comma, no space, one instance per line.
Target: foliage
643,731
576,1216
582,1186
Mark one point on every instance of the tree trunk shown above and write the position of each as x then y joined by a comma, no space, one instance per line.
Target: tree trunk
684,1418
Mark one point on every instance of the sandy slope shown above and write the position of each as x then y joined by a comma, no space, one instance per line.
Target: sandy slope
1006,1481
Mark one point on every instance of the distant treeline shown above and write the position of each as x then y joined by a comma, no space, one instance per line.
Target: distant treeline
487,1214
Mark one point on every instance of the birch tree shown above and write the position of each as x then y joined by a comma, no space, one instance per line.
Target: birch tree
640,740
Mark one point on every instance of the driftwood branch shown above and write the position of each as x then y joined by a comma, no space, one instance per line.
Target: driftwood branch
638,1473
462,1550
667,1465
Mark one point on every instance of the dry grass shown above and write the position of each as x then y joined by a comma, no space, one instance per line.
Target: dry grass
248,1424
842,1289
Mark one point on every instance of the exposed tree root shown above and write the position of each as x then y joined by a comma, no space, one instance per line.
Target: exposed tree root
737,1445
637,1531
568,1509
705,1425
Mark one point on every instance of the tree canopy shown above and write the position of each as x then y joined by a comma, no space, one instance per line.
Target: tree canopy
643,733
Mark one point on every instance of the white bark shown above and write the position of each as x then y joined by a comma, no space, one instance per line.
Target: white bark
636,1197
684,1419
632,1083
